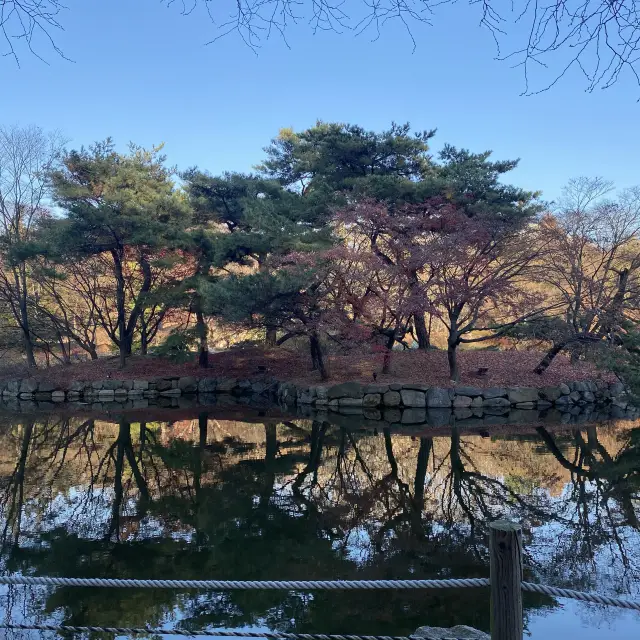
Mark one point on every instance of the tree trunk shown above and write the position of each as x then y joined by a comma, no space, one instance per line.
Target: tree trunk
318,356
144,336
386,361
24,324
550,355
271,338
92,352
203,337
120,307
452,357
203,424
421,331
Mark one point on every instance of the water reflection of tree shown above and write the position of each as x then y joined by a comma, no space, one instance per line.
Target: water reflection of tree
311,501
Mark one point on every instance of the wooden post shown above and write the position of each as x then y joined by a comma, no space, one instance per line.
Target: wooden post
505,548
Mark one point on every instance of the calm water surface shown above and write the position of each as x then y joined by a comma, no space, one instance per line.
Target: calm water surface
271,498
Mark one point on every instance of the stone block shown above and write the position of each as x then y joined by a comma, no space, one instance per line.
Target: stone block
392,415
227,384
306,397
438,398
170,393
579,386
127,384
73,396
43,396
372,414
46,387
77,386
104,395
412,398
346,390
414,415
496,401
376,388
477,401
25,395
372,400
164,384
589,396
462,401
522,394
575,396
527,405
260,386
439,417
111,385
58,396
497,410
564,389
521,416
140,385
322,393
544,404
151,393
187,384
494,392
416,386
13,387
28,386
395,386
207,385
350,402
462,413
550,393
468,391
97,384
391,399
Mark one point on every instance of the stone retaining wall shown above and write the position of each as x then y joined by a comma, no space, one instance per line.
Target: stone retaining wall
340,397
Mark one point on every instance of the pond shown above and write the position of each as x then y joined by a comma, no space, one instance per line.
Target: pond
246,494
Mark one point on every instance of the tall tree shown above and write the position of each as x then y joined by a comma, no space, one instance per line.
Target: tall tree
125,209
27,156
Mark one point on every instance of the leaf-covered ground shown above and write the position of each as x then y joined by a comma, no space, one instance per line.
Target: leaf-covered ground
505,368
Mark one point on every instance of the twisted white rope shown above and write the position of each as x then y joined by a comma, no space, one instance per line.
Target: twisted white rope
223,585
271,635
580,595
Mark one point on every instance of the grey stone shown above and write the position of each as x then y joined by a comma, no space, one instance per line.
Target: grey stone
140,403
496,411
414,416
391,399
462,401
376,388
206,385
346,410
127,385
496,401
242,384
372,400
372,414
564,401
346,390
121,393
58,396
321,402
140,385
260,386
333,404
227,384
588,396
477,401
575,396
438,398
73,396
412,398
97,384
462,413
522,394
617,388
494,392
564,389
171,393
618,402
46,387
550,393
439,417
112,385
544,404
42,396
28,386
164,384
322,393
106,394
579,386
395,386
350,402
306,397
468,391
25,395
495,418
45,405
392,415
526,405
77,385
13,387
460,631
415,386
150,393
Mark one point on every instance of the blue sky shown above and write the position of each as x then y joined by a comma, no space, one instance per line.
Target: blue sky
142,72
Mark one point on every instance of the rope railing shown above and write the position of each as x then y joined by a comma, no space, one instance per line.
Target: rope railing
505,582
269,635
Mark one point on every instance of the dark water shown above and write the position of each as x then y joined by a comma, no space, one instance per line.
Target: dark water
274,498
